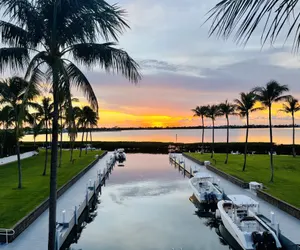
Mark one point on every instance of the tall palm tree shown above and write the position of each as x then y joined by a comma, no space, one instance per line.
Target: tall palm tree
213,111
272,92
291,107
244,17
45,112
227,109
53,32
92,122
245,106
13,94
201,112
72,120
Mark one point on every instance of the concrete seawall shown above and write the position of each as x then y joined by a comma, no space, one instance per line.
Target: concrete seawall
24,223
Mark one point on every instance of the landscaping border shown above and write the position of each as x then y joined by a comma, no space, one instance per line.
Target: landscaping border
228,177
26,221
284,206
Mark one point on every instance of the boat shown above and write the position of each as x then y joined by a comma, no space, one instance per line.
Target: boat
120,155
239,215
206,190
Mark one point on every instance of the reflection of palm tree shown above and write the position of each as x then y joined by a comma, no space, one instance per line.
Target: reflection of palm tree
267,96
245,106
291,107
227,109
57,31
213,111
201,112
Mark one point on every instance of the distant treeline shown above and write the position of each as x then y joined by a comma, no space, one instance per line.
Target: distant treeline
163,147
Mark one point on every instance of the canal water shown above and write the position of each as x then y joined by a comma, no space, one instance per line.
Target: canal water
146,205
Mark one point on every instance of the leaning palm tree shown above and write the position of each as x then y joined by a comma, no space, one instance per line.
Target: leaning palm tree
201,112
227,109
45,112
12,94
244,106
244,17
291,107
53,32
213,111
267,95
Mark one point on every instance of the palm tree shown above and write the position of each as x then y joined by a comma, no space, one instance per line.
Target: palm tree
267,95
291,107
92,122
201,112
72,117
245,106
244,17
6,119
213,111
12,94
45,112
53,32
227,109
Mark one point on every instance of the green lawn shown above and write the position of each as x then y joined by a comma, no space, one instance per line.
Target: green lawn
286,173
16,203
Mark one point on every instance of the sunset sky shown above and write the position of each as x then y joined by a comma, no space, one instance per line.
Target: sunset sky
183,68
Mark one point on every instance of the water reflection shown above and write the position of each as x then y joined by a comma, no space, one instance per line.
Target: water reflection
280,135
145,205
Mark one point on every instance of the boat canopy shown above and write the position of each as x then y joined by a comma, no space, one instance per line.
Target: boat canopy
242,200
202,175
120,150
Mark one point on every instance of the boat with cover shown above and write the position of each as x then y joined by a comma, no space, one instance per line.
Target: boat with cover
120,155
206,190
239,215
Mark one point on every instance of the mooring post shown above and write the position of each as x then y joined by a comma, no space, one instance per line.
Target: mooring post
64,217
75,215
94,187
57,240
190,170
87,197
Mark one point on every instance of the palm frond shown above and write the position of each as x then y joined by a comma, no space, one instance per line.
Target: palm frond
16,58
282,98
244,16
13,35
81,82
107,57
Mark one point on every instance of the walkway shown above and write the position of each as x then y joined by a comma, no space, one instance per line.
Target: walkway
13,158
35,237
289,225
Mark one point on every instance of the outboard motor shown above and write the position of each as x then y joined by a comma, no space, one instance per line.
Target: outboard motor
258,241
269,241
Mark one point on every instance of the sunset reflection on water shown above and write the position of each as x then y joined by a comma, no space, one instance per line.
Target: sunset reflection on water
280,135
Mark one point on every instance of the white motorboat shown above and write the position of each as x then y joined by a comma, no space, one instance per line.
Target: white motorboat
120,155
206,190
239,217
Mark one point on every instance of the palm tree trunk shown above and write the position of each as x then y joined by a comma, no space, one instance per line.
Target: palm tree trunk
294,151
227,142
86,141
46,156
271,145
213,139
202,150
18,149
91,137
81,142
71,148
53,172
61,137
246,143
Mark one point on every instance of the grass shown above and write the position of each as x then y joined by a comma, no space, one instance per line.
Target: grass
17,203
286,172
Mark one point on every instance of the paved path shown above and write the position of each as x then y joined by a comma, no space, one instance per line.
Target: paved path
36,235
13,158
289,225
